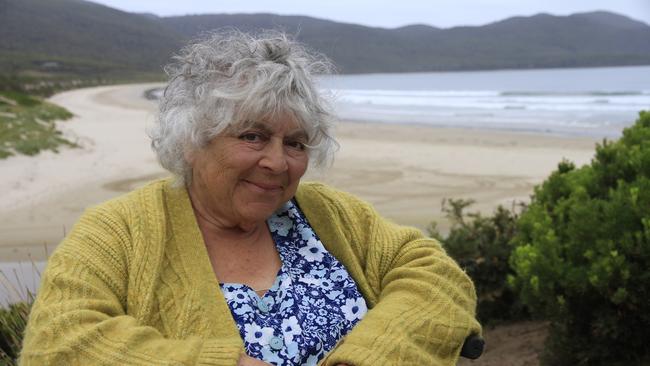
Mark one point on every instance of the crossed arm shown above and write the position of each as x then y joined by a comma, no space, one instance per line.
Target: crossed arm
422,305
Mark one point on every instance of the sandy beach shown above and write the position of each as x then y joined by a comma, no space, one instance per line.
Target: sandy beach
404,170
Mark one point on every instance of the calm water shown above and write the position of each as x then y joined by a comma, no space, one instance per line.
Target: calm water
590,101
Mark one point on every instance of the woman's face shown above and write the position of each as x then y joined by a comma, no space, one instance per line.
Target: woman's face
243,177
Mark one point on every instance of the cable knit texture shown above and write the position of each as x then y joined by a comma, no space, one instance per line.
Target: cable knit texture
132,284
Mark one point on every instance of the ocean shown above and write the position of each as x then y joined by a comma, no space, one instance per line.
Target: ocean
596,102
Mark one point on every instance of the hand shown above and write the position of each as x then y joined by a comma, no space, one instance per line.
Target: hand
245,360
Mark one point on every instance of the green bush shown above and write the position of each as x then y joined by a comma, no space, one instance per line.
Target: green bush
481,247
582,256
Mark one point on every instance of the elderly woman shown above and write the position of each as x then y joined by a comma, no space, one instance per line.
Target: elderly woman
234,261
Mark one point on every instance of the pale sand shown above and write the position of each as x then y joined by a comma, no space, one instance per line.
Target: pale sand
405,171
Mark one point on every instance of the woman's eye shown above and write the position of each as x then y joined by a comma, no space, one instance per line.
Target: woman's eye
296,145
251,137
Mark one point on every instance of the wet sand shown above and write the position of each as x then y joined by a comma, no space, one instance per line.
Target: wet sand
404,170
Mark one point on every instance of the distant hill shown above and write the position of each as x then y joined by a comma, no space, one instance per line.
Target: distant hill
540,41
80,38
75,36
354,48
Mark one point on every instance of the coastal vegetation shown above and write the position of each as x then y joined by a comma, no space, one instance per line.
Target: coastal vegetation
577,255
481,246
582,253
27,125
12,326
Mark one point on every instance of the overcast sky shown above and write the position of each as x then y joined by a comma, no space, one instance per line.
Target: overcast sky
393,13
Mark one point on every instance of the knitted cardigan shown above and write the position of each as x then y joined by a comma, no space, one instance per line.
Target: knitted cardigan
132,284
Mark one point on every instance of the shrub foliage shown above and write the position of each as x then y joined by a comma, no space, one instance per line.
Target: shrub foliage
582,256
481,247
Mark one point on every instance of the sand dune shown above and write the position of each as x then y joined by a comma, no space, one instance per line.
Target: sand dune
405,171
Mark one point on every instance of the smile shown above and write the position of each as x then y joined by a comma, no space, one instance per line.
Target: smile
264,187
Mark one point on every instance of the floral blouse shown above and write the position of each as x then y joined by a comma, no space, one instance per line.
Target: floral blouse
312,304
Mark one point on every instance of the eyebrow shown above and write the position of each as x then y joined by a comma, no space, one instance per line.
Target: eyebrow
259,126
299,134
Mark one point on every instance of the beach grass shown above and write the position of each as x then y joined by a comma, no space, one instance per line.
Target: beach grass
12,326
14,310
13,316
27,125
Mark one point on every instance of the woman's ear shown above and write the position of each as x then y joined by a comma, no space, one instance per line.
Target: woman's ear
189,155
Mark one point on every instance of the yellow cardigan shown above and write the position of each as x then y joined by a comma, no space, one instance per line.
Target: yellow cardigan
132,285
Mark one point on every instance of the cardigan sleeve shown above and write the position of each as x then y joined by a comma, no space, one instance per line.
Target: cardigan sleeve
425,304
79,316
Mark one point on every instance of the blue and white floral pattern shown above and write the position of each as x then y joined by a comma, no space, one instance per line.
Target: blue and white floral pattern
312,304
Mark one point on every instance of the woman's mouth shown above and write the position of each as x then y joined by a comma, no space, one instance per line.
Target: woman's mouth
264,187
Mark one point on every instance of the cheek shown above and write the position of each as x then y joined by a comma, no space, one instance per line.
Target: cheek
298,167
214,170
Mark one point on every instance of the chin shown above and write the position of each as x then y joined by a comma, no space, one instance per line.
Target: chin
260,211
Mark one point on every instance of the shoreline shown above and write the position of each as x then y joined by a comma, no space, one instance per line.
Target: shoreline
405,170
596,136
151,95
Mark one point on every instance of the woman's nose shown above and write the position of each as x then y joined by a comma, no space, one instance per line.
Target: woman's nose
274,156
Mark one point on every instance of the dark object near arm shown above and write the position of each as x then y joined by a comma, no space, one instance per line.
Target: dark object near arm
473,347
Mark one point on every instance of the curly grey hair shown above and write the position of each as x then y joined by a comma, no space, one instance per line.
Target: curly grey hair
228,78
